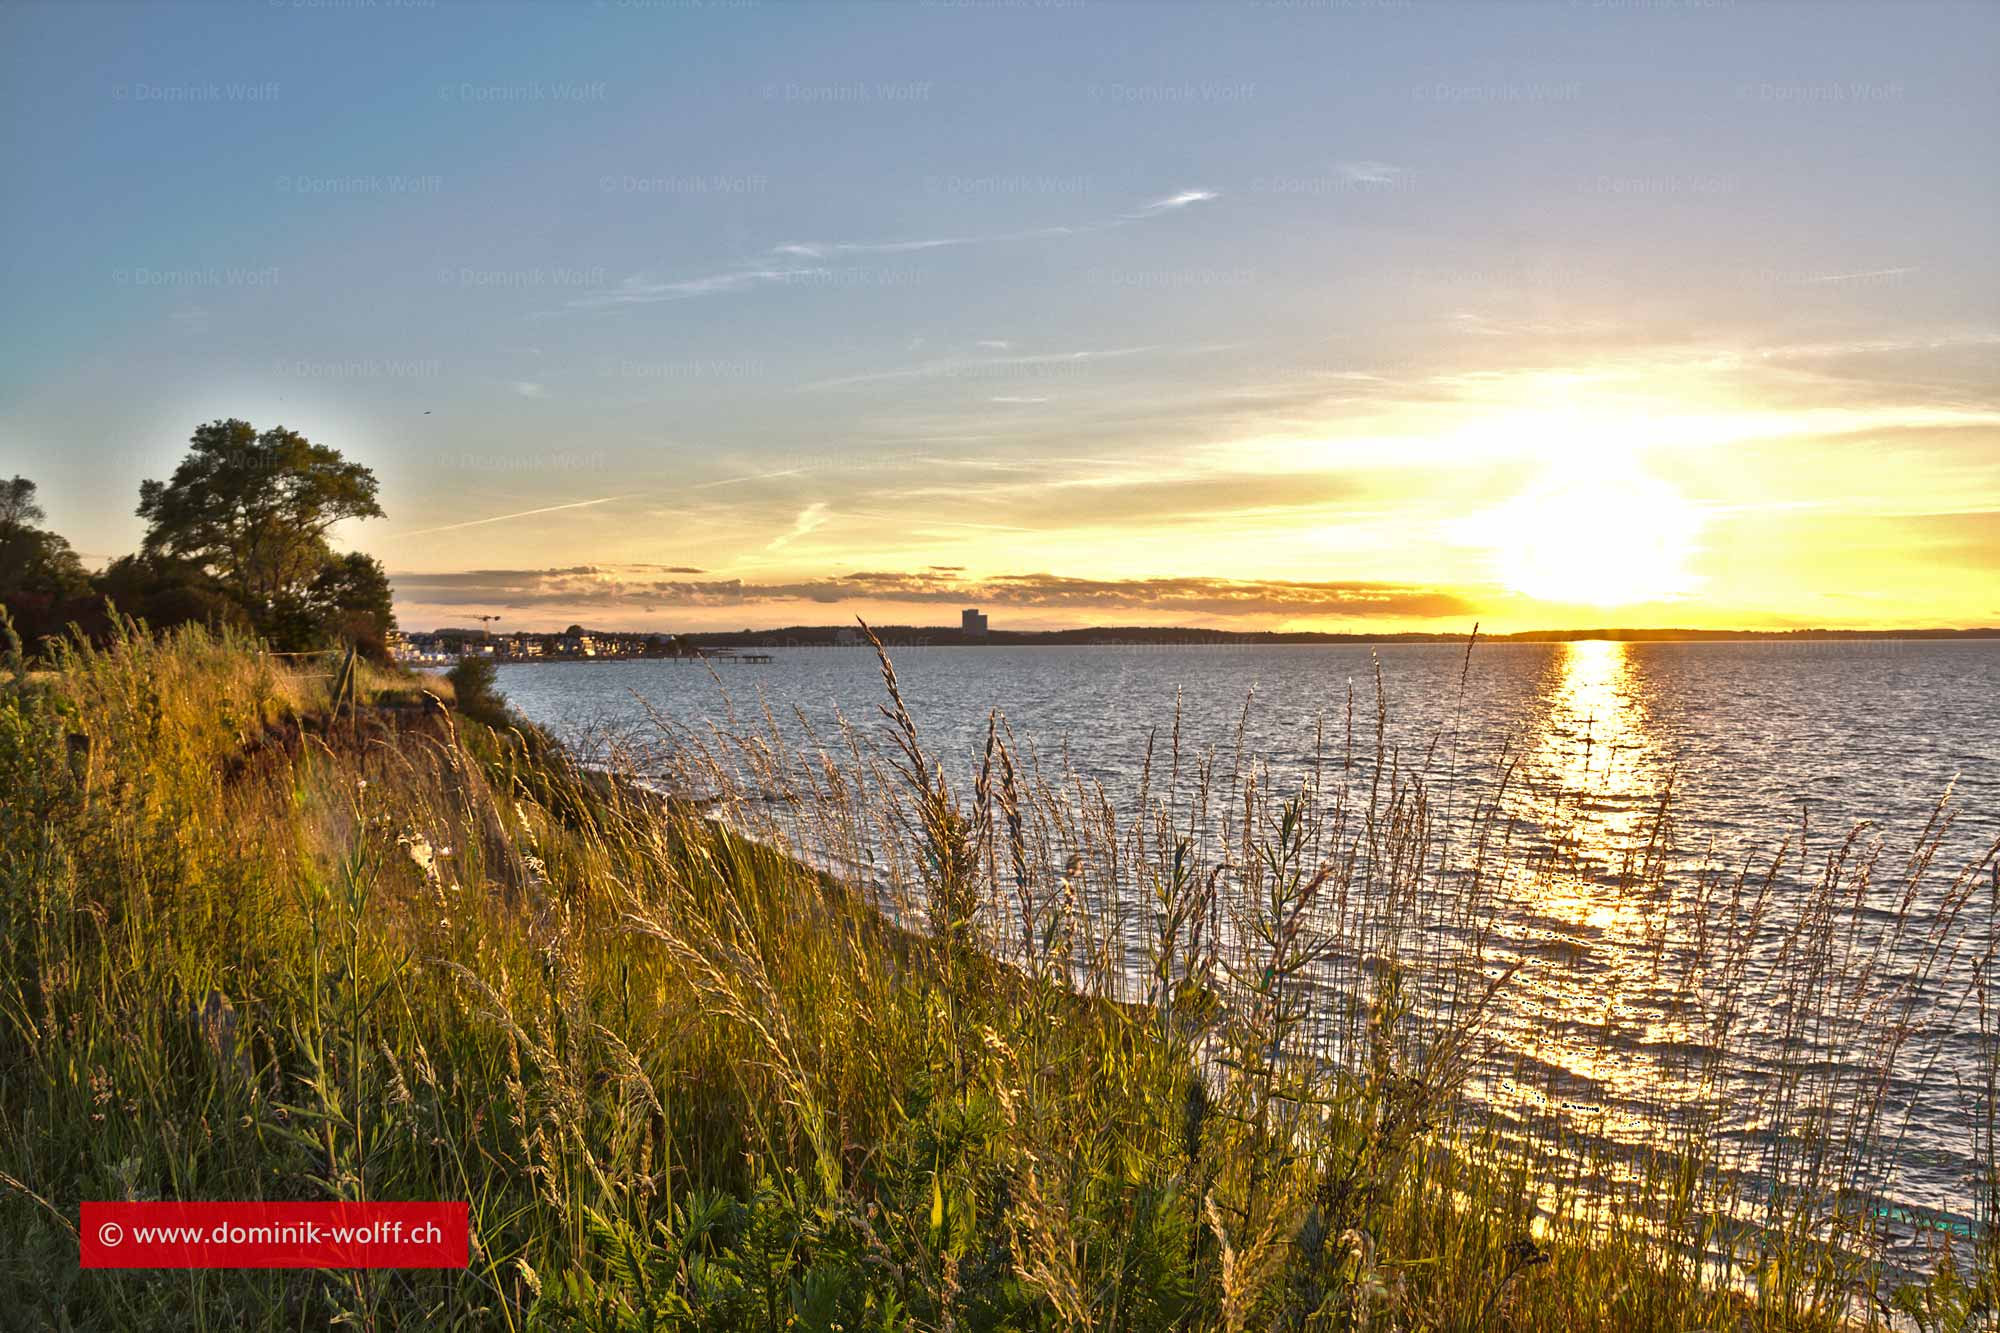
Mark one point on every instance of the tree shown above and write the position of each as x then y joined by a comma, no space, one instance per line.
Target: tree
41,580
475,686
33,560
251,510
17,504
349,600
166,593
254,509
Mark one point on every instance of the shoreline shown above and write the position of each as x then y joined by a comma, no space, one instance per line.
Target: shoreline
1800,639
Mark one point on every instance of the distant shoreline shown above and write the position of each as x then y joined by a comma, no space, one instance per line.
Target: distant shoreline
702,646
802,636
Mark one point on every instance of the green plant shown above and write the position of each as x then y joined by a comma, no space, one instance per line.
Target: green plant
1219,1062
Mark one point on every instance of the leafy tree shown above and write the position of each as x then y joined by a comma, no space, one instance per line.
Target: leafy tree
254,509
351,597
165,593
33,560
251,510
41,580
475,684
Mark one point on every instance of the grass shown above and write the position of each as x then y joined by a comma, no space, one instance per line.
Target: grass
1223,1060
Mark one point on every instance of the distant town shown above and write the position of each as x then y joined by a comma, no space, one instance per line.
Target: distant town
578,644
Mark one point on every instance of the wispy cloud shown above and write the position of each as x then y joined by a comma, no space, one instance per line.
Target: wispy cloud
789,260
812,516
1184,199
530,389
643,289
985,367
612,588
1370,172
1865,274
821,249
502,518
750,477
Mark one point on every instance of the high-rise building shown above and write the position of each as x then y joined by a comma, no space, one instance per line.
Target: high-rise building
972,622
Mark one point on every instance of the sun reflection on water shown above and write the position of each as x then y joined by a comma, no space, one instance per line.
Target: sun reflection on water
1594,779
1582,921
1594,737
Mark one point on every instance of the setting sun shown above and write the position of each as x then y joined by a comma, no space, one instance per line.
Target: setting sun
1602,536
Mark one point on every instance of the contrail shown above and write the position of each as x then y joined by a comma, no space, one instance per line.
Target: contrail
502,518
754,476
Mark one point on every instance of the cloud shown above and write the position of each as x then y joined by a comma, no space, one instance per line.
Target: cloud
750,477
1173,201
987,367
633,588
643,289
502,518
1370,173
1864,275
812,516
530,389
821,249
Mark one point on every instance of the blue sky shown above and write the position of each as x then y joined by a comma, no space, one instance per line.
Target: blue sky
1287,314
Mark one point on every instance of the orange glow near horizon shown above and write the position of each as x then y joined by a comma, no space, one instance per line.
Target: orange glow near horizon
1662,492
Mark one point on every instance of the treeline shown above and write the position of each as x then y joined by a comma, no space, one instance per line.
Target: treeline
236,538
942,636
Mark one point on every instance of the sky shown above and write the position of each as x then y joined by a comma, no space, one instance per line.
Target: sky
1309,314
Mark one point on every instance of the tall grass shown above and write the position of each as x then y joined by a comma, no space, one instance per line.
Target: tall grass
826,1039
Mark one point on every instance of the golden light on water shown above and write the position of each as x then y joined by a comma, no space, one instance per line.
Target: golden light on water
1596,774
1590,766
1595,734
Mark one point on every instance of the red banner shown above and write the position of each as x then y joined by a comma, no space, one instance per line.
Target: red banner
274,1235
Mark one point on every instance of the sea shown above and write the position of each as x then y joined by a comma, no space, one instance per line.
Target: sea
1833,751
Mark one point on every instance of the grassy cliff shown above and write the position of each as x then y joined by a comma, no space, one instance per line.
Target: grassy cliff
250,948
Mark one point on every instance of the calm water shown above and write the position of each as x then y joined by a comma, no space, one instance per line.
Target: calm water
1761,742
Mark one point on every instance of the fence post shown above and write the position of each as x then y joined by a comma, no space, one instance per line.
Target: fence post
344,692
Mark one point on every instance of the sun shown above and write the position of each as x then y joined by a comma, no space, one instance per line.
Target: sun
1595,533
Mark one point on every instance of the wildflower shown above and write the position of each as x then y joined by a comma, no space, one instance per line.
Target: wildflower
421,854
